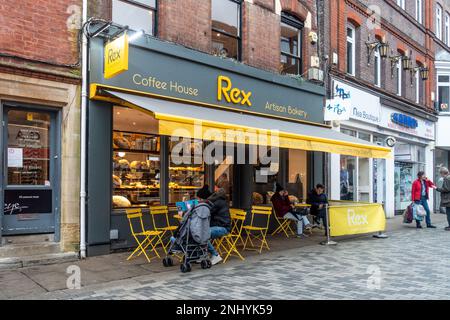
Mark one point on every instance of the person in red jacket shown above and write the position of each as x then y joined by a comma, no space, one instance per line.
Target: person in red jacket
285,210
420,195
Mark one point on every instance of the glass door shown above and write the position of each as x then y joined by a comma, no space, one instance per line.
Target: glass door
30,175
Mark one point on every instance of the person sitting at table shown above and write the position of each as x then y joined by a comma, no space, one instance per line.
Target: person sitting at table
220,220
318,201
284,209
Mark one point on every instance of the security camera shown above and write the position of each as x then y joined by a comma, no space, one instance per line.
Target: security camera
390,142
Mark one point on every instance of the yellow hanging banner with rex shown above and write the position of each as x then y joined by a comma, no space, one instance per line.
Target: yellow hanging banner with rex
116,57
356,218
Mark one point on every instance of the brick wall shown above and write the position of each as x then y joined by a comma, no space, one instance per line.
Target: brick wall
400,30
188,22
40,29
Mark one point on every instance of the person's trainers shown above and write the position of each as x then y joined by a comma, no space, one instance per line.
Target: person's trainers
216,259
431,227
302,236
419,227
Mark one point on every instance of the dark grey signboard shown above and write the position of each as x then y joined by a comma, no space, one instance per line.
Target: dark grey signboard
174,72
27,201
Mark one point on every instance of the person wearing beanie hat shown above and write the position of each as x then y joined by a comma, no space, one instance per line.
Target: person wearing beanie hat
285,210
204,192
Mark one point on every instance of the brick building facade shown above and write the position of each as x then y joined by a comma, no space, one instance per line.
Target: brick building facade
391,91
39,102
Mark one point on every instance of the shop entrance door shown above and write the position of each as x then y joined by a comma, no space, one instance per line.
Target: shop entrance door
30,173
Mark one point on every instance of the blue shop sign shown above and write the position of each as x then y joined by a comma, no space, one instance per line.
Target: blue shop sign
404,120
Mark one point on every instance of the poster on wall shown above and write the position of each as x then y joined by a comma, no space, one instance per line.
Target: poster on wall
15,157
27,202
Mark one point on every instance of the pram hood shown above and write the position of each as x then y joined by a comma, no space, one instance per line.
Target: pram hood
197,223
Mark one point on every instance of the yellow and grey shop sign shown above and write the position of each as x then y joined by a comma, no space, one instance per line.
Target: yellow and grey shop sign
116,57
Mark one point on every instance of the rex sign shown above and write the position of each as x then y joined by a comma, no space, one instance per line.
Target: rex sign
116,57
226,91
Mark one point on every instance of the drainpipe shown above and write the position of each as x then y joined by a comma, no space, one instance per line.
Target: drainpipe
84,97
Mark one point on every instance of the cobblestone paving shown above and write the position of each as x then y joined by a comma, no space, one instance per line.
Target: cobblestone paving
412,264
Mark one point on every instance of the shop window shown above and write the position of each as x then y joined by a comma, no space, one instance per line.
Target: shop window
351,50
348,178
28,158
409,160
137,14
379,175
265,176
186,169
444,92
136,159
291,45
226,28
298,166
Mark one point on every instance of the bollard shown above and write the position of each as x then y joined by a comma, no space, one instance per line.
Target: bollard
328,242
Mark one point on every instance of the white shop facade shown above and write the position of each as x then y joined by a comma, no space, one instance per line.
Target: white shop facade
387,122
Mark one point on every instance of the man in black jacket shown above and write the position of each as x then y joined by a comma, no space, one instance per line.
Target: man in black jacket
318,201
220,220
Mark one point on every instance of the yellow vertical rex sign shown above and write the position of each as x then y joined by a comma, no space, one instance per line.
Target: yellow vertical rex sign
116,57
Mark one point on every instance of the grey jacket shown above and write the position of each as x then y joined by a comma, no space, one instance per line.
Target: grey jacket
445,192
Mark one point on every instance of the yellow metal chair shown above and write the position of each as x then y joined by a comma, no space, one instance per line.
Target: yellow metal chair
258,233
284,225
163,224
227,245
144,238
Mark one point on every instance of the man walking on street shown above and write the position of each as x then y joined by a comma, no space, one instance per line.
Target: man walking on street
445,193
420,196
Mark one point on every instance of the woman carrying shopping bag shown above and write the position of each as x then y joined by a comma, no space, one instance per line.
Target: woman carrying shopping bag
420,196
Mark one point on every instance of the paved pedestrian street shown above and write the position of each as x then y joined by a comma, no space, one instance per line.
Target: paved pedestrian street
410,264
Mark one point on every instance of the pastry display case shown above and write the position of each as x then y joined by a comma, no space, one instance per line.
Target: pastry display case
136,170
185,176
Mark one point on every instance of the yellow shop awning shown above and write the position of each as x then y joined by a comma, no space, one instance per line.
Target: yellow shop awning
184,120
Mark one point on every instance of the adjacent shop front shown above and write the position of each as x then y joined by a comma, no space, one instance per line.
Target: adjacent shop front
177,120
383,122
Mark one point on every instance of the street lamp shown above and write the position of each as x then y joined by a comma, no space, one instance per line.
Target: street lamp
382,47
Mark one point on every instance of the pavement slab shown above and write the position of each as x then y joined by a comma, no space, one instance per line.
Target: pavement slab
410,264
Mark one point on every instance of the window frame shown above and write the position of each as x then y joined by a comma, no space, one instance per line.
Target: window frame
417,77
401,4
442,84
239,36
399,78
143,7
439,22
292,21
377,69
447,29
351,40
419,11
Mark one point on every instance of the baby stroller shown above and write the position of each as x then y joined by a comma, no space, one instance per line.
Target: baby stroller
191,238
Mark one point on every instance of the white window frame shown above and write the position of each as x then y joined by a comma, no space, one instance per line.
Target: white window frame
401,4
141,6
419,13
442,84
447,29
439,22
352,40
399,77
378,69
417,77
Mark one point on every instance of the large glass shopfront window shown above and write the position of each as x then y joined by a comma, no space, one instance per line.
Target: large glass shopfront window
409,160
357,181
136,159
